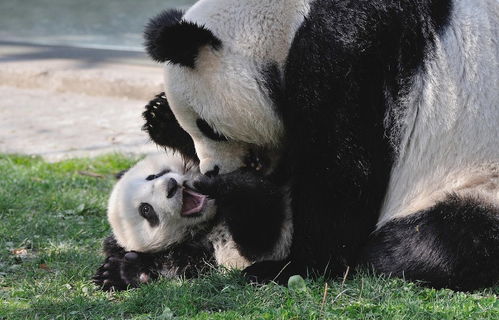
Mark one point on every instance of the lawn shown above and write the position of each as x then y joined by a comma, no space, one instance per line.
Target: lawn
52,222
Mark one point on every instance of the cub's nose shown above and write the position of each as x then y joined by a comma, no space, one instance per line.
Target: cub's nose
171,188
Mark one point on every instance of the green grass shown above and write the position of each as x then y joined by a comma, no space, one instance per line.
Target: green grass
56,213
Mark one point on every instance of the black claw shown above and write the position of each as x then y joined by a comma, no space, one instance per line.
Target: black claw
114,259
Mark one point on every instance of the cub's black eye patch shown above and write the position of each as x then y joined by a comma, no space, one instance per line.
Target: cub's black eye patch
156,176
147,212
208,131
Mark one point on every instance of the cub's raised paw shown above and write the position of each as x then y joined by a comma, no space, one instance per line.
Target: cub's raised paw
137,269
238,182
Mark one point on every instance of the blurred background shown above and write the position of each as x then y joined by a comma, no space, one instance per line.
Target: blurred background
73,76
103,24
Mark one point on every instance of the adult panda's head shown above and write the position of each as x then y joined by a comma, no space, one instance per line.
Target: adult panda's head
223,75
152,207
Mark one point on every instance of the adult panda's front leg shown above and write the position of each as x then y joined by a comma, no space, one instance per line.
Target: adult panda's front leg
255,210
164,130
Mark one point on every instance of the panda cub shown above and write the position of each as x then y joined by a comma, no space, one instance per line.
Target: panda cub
163,226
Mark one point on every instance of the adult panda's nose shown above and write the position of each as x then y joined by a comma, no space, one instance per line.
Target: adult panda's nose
213,173
171,188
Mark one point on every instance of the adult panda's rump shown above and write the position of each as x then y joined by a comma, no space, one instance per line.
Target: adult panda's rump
454,244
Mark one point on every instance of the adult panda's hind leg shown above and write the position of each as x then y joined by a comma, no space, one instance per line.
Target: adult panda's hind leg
454,244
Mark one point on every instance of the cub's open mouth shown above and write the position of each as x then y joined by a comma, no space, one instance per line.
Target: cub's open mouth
193,203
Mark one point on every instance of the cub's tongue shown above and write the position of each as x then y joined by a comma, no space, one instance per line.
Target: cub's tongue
193,202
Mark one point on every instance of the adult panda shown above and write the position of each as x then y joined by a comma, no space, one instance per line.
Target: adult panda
381,116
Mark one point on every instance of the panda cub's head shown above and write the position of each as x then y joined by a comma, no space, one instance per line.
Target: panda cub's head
222,78
152,206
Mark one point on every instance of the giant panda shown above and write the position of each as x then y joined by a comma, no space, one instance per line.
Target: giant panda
381,116
162,225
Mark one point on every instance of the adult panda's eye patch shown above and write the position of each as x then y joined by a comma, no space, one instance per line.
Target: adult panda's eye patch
208,131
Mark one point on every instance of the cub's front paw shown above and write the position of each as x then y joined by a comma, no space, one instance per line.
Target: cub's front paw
121,273
108,275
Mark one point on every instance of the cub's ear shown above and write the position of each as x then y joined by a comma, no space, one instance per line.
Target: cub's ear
168,38
120,174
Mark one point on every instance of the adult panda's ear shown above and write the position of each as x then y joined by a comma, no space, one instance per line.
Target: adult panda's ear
168,38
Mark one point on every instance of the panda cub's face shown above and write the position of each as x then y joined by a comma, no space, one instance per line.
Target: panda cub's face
152,205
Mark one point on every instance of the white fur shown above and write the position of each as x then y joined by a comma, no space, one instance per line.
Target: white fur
225,248
450,137
223,88
131,230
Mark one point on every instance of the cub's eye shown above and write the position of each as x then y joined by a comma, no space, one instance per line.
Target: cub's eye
146,210
208,131
148,213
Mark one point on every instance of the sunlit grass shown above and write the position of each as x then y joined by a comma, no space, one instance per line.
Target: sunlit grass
52,224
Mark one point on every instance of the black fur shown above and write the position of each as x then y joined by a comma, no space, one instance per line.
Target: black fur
111,247
208,131
164,130
271,83
253,208
168,38
454,244
348,66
